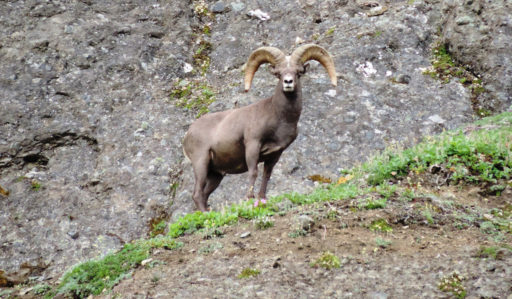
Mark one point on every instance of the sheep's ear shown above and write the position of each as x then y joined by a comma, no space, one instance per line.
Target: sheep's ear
305,67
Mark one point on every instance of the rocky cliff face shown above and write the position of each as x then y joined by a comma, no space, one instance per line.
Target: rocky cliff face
91,122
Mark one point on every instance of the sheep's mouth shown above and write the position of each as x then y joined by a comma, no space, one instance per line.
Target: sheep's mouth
288,88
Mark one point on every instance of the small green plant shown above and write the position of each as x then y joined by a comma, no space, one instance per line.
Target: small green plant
212,247
487,227
158,227
386,190
298,233
248,272
263,223
207,29
330,31
382,243
6,293
488,252
372,204
453,284
201,8
380,225
193,95
35,185
41,289
154,263
332,214
155,278
407,194
173,188
201,58
327,260
427,211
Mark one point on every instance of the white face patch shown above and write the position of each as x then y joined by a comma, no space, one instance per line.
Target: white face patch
288,83
288,59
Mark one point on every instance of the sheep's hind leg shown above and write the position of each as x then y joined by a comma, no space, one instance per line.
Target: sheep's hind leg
213,180
200,174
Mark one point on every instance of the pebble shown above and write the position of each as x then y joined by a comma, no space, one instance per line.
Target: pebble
237,6
218,7
245,235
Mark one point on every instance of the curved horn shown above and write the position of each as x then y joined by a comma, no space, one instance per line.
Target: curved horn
259,56
315,52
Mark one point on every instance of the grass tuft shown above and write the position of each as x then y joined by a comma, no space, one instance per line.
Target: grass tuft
248,272
327,260
92,277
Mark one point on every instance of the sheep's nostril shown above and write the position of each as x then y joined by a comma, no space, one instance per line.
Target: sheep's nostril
288,81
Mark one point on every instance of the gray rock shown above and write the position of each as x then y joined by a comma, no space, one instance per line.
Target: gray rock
305,222
404,79
237,6
483,43
218,7
464,20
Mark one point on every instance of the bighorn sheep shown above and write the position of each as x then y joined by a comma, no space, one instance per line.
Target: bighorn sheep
236,140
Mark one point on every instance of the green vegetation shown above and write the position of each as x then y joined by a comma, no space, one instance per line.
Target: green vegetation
444,68
372,204
263,222
488,252
191,223
196,94
35,185
201,8
212,247
480,155
453,284
201,58
327,260
92,277
380,225
41,289
298,233
157,227
427,211
330,31
407,194
382,243
248,272
193,95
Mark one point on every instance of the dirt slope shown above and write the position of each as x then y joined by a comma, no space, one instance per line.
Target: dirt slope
411,261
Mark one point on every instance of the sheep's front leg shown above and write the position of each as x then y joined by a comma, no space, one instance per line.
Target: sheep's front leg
267,171
252,152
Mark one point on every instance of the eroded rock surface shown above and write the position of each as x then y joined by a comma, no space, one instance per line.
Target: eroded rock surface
90,140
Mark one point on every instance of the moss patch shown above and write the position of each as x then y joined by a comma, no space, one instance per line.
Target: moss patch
445,68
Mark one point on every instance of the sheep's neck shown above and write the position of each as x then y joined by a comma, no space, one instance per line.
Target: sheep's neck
288,105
